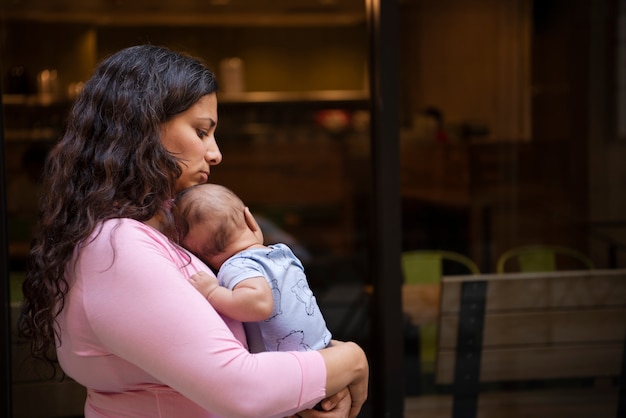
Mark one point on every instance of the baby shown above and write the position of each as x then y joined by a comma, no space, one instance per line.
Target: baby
263,286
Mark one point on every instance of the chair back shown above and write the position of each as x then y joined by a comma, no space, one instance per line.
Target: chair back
426,266
422,271
534,258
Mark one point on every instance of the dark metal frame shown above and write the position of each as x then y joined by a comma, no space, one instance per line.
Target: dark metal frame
5,293
387,359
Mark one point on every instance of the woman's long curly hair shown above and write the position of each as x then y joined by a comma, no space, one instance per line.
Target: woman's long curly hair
109,163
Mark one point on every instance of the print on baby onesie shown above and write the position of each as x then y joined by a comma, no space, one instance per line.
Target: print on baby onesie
305,295
292,341
276,295
279,257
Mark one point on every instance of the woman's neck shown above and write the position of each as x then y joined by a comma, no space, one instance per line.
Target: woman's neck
156,222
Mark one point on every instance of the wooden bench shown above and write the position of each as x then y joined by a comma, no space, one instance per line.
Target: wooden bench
532,327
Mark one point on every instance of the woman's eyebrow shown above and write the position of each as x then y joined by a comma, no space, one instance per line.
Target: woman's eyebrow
211,121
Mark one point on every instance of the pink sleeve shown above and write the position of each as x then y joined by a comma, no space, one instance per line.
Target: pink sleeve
141,307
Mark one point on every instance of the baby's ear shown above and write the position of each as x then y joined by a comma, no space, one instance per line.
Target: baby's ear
252,223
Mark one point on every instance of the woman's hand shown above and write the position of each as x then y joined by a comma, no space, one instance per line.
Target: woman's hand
346,367
335,406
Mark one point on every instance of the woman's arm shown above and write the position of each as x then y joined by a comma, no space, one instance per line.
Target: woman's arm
249,301
143,310
349,364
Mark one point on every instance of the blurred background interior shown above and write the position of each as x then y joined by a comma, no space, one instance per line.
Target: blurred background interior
512,131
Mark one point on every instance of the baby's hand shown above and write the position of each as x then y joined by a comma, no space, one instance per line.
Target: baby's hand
204,283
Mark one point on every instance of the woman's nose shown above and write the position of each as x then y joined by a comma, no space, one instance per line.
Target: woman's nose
213,155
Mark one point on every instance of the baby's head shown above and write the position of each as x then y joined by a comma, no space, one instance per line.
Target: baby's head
209,218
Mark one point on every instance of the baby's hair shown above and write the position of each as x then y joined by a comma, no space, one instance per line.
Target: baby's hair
216,209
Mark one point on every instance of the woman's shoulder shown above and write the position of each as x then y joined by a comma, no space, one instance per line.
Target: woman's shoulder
125,232
124,223
125,226
124,237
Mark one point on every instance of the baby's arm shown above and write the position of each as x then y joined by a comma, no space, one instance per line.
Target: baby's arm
249,301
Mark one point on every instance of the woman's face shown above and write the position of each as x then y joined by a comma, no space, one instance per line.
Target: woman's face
190,137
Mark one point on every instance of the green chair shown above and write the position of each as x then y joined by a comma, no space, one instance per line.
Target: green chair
534,258
426,267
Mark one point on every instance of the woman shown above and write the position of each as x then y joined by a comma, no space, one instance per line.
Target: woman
109,290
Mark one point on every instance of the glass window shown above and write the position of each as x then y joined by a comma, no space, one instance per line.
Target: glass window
511,130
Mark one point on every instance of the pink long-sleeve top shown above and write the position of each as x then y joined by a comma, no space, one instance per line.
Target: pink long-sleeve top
145,343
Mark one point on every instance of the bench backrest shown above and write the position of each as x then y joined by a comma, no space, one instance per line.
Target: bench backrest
524,326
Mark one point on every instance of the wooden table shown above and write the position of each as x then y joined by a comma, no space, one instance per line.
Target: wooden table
421,302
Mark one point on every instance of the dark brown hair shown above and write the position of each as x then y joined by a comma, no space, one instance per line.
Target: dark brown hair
214,208
109,163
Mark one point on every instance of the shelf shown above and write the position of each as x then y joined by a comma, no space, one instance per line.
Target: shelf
42,100
32,135
322,97
136,19
251,13
252,97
